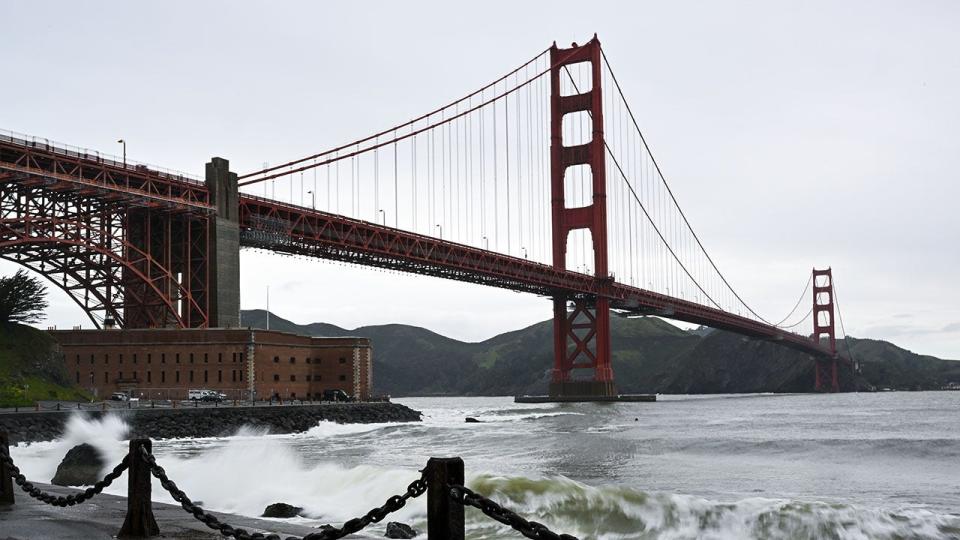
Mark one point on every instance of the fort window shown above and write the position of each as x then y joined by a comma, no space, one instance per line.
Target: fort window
318,378
119,374
191,375
308,378
205,358
178,358
106,378
293,378
149,358
191,358
149,376
206,376
106,359
276,359
163,358
241,375
233,375
343,377
163,376
343,360
78,377
135,376
276,378
134,358
121,358
178,376
293,394
78,359
307,360
219,358
293,360
219,376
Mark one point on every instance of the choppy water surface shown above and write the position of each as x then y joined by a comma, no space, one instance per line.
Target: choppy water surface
798,466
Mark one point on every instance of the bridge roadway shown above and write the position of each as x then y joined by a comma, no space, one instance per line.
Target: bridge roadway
285,228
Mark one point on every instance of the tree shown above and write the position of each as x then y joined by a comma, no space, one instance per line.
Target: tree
22,299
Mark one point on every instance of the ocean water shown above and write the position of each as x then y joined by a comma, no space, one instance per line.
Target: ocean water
845,466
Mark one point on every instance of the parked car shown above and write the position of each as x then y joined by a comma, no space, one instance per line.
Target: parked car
119,396
205,395
336,395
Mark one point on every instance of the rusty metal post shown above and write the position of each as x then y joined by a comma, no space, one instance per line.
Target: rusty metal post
444,515
139,522
6,482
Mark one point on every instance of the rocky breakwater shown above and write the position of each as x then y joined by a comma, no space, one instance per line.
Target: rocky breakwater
168,423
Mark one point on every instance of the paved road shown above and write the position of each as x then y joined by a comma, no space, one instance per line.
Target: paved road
67,406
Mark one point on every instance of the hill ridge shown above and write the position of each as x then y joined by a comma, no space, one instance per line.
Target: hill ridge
649,355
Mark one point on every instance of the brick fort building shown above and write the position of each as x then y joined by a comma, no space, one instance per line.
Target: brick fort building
165,363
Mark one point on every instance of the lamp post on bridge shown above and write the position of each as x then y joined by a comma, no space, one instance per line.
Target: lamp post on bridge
524,252
124,143
486,243
313,199
383,216
441,230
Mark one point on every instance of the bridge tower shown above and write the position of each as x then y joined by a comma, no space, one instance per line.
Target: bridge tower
823,325
581,337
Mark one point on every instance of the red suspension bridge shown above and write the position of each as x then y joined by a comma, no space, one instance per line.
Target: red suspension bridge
539,182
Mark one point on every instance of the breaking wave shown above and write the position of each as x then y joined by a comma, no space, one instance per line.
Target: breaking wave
245,473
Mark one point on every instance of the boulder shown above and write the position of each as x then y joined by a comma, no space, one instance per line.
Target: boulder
472,420
81,466
281,510
396,529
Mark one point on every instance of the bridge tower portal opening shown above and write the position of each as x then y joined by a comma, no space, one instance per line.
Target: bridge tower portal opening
581,335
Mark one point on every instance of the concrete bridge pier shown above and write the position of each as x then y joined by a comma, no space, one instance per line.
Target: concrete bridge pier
224,252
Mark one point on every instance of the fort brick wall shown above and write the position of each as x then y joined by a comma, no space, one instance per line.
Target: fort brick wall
166,363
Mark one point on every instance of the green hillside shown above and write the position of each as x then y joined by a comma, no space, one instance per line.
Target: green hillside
32,369
649,355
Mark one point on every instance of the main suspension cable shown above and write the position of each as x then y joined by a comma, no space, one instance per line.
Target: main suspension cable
802,295
397,127
670,191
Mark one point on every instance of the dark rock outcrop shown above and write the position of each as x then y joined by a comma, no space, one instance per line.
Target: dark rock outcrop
80,467
472,420
166,423
395,529
281,510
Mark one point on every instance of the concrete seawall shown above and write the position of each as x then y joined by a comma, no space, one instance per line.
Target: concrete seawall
207,421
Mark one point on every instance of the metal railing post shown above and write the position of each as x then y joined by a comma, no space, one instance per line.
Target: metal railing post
444,515
6,482
139,522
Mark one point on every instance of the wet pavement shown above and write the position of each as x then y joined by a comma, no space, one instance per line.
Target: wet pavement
102,516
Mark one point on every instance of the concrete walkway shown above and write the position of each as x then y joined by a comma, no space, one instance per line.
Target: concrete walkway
102,516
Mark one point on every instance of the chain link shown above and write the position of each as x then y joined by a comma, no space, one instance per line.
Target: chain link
530,529
460,494
415,489
59,500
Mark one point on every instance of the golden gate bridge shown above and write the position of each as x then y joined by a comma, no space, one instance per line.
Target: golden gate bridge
540,182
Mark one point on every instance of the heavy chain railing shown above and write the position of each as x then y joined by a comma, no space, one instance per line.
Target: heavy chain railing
530,529
442,480
59,500
415,489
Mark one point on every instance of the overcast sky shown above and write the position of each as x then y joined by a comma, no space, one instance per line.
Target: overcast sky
795,134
